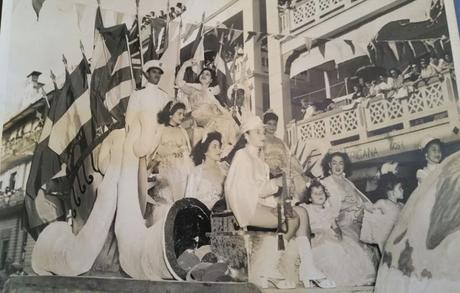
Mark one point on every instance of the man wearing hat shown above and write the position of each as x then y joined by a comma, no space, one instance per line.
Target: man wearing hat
141,118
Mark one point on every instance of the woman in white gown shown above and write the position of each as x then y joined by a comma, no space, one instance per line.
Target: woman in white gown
347,207
250,195
206,179
206,109
172,156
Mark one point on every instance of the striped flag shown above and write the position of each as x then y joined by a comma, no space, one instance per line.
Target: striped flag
153,45
134,49
74,126
111,81
47,163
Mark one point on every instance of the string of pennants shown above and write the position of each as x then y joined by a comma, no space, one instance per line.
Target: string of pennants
257,35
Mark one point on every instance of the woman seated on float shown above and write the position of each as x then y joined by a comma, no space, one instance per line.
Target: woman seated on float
206,179
250,194
347,205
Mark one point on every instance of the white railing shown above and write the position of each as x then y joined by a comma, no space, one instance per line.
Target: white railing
433,103
333,125
312,12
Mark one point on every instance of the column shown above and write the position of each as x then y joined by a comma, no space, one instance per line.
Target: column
251,22
280,96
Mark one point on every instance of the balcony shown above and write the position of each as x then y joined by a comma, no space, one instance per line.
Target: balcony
311,12
424,112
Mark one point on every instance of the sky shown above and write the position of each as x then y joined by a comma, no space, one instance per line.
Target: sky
27,44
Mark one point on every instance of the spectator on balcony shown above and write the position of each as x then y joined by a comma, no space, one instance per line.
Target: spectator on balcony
432,149
428,73
357,93
363,87
371,90
411,74
384,85
397,78
399,89
308,108
445,64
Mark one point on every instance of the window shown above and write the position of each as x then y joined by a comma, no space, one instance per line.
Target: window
265,97
13,180
4,253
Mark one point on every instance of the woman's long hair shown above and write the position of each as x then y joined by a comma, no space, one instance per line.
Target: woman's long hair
328,158
200,149
163,116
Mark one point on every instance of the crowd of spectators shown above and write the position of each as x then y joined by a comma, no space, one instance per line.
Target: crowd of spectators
390,84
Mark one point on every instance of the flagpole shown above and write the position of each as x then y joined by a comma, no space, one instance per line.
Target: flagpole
130,63
139,33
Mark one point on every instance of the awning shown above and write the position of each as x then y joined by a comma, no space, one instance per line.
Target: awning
337,50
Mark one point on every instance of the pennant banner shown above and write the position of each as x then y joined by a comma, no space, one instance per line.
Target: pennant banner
37,5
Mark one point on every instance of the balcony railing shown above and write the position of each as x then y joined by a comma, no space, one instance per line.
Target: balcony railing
429,105
311,12
11,198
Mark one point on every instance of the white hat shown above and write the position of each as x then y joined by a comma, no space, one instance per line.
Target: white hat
250,123
427,140
153,64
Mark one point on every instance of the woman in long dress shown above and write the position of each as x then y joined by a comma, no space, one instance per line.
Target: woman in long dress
250,195
347,207
206,180
172,157
205,108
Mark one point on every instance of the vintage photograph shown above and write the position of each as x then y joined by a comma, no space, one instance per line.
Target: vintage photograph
230,146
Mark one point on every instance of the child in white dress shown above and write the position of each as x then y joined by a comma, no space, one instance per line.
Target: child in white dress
334,253
380,218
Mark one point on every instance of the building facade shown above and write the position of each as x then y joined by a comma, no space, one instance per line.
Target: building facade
20,135
325,46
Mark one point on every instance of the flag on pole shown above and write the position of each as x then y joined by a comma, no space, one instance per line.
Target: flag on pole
47,163
135,50
198,47
171,56
111,83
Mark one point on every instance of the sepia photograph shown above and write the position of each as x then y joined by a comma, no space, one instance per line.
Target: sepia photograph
259,146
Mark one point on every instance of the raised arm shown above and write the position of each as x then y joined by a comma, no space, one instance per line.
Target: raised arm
180,82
